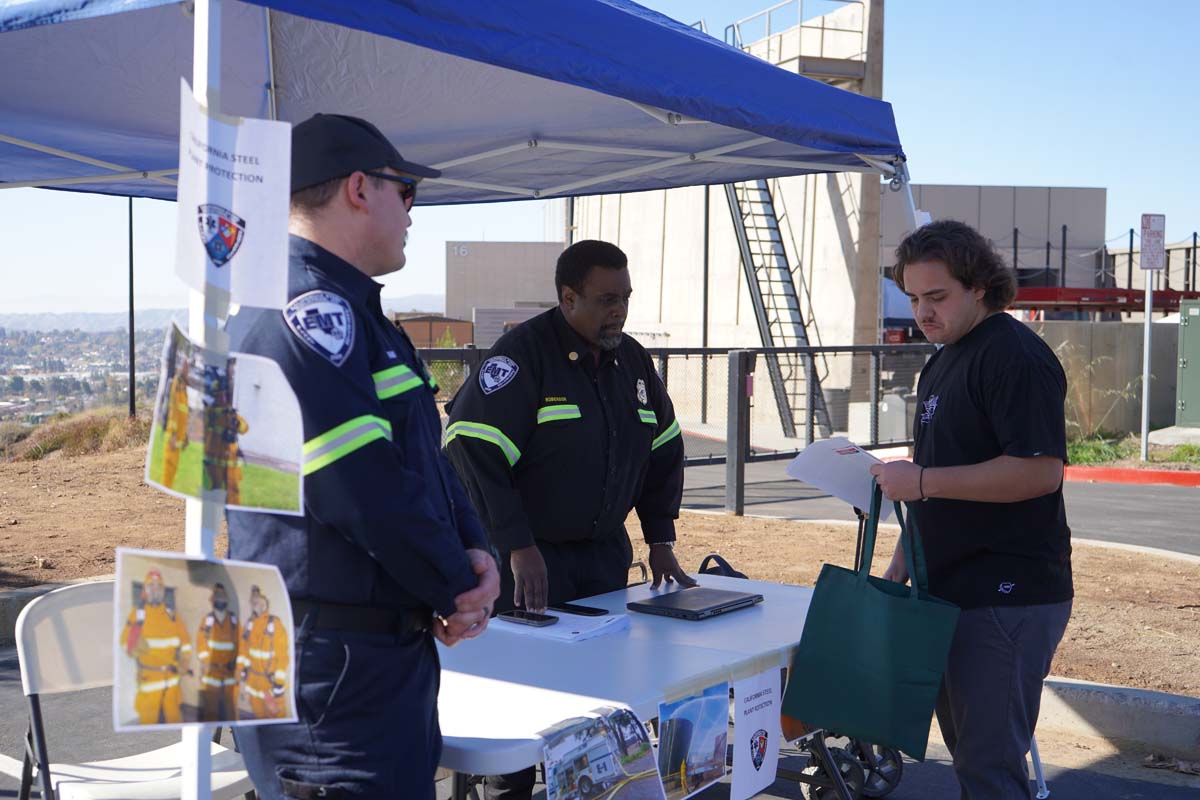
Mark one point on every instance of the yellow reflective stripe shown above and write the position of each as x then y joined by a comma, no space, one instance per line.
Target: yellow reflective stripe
203,654
157,644
243,661
220,645
260,653
250,690
648,416
395,380
207,681
477,430
670,433
323,450
433,384
280,674
158,686
553,413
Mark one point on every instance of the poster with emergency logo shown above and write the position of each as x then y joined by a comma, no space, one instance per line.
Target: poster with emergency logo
233,194
693,737
225,424
606,754
200,641
756,733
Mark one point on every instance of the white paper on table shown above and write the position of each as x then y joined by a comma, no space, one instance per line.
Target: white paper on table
233,193
840,467
756,734
569,628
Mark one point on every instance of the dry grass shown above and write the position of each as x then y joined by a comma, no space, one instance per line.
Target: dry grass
104,430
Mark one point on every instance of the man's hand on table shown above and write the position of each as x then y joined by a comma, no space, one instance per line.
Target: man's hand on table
530,580
473,608
664,566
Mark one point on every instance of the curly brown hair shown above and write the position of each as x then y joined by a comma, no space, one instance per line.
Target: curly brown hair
971,259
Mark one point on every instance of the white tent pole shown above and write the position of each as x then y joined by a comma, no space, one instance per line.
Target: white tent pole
158,175
204,314
788,164
667,117
270,67
910,205
672,162
95,162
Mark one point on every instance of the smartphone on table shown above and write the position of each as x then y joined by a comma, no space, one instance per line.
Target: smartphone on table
523,617
575,608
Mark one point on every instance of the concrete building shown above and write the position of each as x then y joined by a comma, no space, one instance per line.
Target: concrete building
499,275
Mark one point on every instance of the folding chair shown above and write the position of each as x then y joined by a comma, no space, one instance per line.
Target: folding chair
65,644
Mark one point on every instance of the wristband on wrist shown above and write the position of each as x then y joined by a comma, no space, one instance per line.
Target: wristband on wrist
921,483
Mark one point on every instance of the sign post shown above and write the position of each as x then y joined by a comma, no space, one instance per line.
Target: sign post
1154,257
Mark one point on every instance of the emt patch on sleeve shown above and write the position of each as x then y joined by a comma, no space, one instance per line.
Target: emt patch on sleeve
324,322
496,373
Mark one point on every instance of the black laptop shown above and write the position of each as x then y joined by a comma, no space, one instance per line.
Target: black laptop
698,602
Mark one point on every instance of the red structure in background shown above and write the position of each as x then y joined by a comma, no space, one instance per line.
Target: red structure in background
1039,298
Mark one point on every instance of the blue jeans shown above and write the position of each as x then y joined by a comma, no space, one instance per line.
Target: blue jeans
368,725
992,691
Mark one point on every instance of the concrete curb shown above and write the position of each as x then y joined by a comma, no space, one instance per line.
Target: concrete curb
13,600
1166,477
1156,722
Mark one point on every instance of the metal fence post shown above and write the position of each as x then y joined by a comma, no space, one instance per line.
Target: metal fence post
874,397
810,398
737,431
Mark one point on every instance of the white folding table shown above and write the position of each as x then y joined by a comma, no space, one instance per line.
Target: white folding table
500,690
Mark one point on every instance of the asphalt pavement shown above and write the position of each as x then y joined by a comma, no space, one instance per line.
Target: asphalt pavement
1164,517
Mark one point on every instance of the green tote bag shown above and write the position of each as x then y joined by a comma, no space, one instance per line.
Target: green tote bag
872,654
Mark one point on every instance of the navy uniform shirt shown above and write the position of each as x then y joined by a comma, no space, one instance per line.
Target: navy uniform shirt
554,447
387,522
999,390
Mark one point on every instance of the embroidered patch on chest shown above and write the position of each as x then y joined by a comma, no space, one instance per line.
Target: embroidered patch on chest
643,398
324,322
496,373
930,407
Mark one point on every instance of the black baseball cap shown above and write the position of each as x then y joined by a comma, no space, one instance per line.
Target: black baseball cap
328,146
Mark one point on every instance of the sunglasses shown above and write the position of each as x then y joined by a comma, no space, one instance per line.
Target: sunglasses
408,191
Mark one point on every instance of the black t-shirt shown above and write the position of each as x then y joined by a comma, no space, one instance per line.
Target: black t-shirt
999,390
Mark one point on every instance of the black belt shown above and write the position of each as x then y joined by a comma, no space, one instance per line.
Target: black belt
360,619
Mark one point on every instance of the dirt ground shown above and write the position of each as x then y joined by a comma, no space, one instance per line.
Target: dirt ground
1136,619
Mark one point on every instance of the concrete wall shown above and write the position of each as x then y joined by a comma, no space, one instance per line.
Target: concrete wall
1103,362
499,275
1038,212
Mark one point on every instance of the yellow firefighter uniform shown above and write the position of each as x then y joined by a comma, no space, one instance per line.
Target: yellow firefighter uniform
160,644
233,462
216,649
263,658
176,428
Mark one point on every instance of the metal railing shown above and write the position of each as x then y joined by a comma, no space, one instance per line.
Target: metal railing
789,15
696,381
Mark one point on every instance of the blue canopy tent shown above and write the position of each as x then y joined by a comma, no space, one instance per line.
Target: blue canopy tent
516,100
531,99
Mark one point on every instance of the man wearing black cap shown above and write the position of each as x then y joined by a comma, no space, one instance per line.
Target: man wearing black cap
389,550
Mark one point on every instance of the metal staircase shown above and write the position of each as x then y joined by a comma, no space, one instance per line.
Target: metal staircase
794,380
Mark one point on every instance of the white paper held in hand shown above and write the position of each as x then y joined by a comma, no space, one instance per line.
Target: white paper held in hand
840,467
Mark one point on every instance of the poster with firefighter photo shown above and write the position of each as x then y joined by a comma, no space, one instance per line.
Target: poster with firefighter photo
602,757
200,641
693,734
225,424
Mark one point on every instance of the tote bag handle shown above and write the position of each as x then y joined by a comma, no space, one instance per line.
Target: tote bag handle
910,542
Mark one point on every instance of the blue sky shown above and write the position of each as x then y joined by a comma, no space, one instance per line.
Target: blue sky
1070,93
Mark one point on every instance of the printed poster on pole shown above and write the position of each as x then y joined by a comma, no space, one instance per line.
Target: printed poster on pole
234,185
